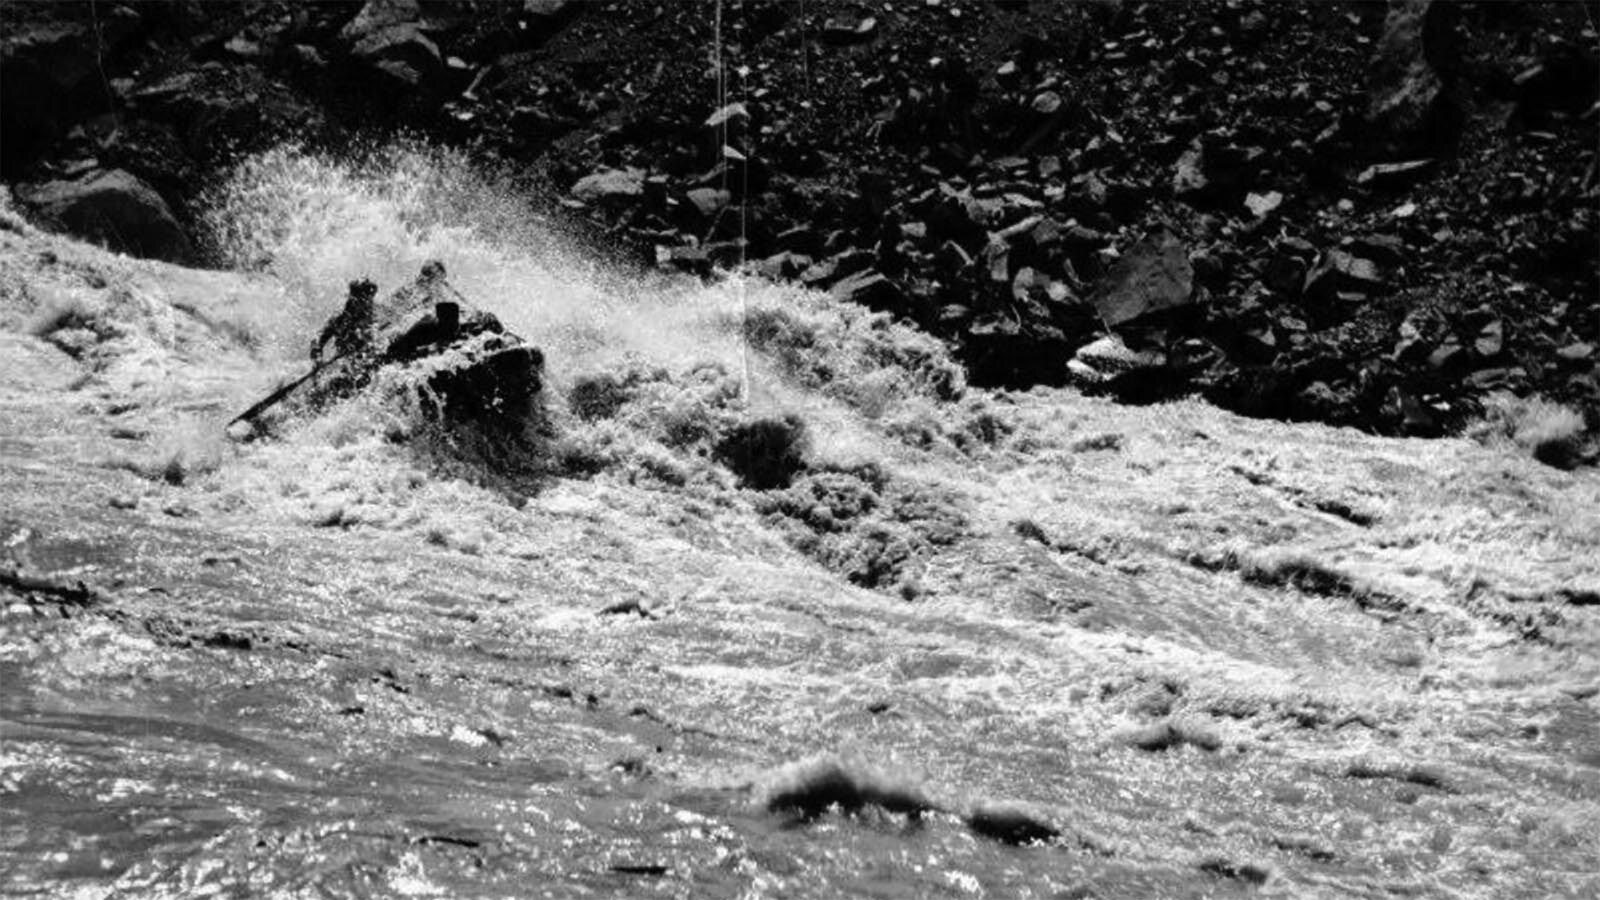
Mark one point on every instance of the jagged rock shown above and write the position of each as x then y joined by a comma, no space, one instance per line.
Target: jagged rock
1108,357
1262,205
1384,249
1152,276
1259,344
387,35
1490,340
1284,273
871,289
242,47
377,15
1447,356
849,30
1001,351
1414,346
997,259
1189,180
1394,176
113,208
1212,172
611,185
819,273
1338,271
801,239
401,52
786,265
694,260
544,8
1406,94
1011,823
709,201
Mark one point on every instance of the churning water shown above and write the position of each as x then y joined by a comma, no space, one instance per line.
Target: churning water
332,665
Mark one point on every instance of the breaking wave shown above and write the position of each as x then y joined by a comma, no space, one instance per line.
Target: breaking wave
315,221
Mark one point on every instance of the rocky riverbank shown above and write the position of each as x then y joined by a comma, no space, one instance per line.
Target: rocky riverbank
1329,212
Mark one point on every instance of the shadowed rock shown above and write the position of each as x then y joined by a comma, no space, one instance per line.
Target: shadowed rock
811,787
1154,275
1010,823
765,453
1407,95
113,208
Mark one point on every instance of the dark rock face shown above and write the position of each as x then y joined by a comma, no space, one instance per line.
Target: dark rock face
112,208
612,186
1154,275
387,35
1408,98
48,77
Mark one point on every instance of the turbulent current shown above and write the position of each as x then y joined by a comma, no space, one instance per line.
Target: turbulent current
968,644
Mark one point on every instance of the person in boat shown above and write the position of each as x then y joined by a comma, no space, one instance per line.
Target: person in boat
429,288
352,329
443,326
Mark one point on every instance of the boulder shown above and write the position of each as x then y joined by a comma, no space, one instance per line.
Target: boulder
379,15
1384,249
1107,357
387,35
114,208
1406,97
1001,351
546,9
1338,271
1491,339
1211,172
872,289
610,185
709,201
1262,205
1189,178
1394,176
403,54
1152,276
845,29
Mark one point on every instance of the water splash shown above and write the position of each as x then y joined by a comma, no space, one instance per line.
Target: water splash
317,222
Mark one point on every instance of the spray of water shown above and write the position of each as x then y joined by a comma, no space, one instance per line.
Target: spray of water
689,359
316,222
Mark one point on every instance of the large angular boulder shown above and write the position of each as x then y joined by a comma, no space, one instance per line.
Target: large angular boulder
1152,276
378,15
113,208
1339,271
387,35
610,186
1406,97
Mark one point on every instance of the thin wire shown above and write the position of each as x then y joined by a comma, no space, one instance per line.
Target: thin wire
100,64
722,153
805,52
744,236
